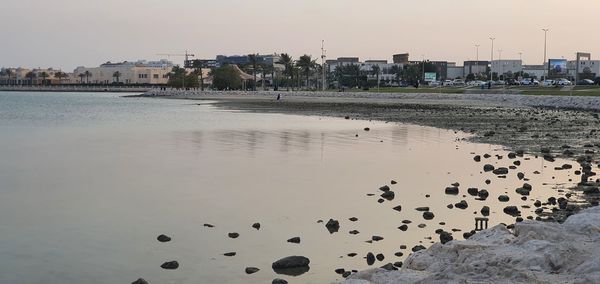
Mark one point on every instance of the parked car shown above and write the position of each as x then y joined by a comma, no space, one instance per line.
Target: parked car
458,82
585,82
548,83
562,82
447,83
434,83
530,82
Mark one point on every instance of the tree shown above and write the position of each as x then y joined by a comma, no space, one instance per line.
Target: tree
116,75
226,78
60,75
179,78
398,72
376,70
30,75
87,74
81,76
470,77
44,76
305,63
253,61
9,74
287,61
198,65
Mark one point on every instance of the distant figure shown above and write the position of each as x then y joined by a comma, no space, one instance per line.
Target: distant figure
278,96
489,85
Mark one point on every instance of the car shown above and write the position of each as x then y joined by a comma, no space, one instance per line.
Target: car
585,82
434,83
529,82
548,83
458,82
447,83
562,82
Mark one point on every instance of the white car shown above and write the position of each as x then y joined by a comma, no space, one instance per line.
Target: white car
563,82
548,83
529,82
447,83
458,82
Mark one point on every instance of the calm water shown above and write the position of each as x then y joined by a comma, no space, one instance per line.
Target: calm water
88,181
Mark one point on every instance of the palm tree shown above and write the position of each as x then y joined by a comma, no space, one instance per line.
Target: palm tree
397,71
81,76
376,70
253,61
287,61
306,64
60,75
9,74
198,65
30,75
44,76
3,74
87,74
117,75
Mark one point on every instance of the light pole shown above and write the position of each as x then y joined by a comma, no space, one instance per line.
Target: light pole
477,60
492,61
545,41
501,63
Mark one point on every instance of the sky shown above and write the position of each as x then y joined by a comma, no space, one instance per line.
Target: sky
65,34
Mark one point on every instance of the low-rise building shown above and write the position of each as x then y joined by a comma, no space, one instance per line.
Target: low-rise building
505,66
139,72
476,67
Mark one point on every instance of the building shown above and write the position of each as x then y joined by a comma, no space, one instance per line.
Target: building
245,59
476,67
24,76
535,71
583,67
139,72
386,73
505,66
455,72
401,58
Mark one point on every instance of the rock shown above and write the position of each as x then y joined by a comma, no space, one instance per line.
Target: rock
428,215
352,254
295,240
422,226
487,181
279,281
418,248
340,271
450,206
488,168
380,257
398,264
256,226
376,238
483,194
445,237
209,225
170,265
477,158
398,208
452,190
485,211
473,191
422,209
229,254
503,198
346,274
332,226
462,204
291,262
250,270
520,175
389,267
500,171
523,191
354,232
163,238
403,228
389,195
393,182
381,200
233,235
370,258
399,254
353,219
512,211
384,188
537,203
140,281
366,129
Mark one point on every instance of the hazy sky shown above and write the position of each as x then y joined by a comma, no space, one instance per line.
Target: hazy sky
69,33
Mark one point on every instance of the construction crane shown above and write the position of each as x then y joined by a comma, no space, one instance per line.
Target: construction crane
186,55
186,63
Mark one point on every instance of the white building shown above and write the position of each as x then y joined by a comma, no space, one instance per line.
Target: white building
535,71
139,72
385,69
591,67
507,66
455,72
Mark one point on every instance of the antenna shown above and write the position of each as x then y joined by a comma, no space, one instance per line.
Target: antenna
323,56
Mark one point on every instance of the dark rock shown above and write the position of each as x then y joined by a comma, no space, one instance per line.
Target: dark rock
140,281
399,254
291,262
229,253
370,258
450,206
376,238
389,195
352,254
453,190
367,129
485,211
483,194
353,219
473,191
340,271
488,168
537,203
279,281
380,257
380,200
295,240
487,181
354,232
503,198
250,270
445,237
393,182
398,208
523,191
520,175
256,226
403,228
170,265
418,248
233,235
477,158
422,209
389,267
462,204
209,225
332,226
346,274
500,171
428,215
512,211
398,264
163,238
384,188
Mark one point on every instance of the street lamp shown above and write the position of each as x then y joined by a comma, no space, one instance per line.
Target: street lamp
501,63
492,61
545,41
477,60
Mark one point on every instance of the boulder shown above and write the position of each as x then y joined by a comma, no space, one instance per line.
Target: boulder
291,262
